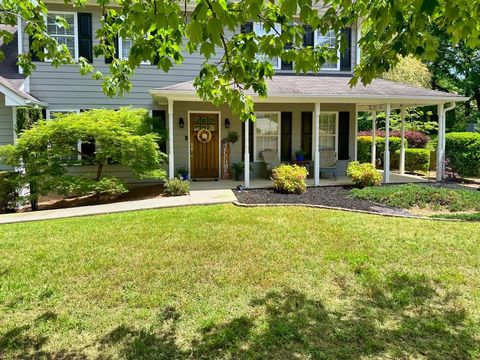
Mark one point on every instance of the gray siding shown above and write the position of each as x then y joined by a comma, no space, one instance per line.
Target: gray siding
65,88
6,125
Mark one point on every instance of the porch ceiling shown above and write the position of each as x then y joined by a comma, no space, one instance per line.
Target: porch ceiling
327,89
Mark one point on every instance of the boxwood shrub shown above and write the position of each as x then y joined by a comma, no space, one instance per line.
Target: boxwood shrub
415,159
289,179
365,149
463,152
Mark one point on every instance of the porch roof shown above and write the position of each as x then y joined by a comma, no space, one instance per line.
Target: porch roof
334,89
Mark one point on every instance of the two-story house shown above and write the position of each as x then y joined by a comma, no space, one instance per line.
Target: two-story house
315,113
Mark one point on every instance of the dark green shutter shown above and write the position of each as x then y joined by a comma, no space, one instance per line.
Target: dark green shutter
286,137
160,126
346,57
308,36
307,131
85,44
247,27
287,65
251,127
343,135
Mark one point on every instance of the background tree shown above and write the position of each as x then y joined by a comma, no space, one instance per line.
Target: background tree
160,30
48,148
410,71
457,68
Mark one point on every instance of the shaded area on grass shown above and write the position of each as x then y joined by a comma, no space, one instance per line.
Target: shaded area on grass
465,217
400,316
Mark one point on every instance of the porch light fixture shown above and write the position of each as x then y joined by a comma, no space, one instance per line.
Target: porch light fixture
181,123
227,123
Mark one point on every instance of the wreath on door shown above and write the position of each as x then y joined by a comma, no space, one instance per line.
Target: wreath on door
204,136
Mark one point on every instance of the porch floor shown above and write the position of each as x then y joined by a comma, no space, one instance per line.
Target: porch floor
327,181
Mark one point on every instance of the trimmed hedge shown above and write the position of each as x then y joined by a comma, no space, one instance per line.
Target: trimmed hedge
415,139
365,149
463,153
415,159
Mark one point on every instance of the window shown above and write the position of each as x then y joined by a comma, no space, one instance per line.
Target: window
124,47
63,35
260,31
328,131
330,39
267,133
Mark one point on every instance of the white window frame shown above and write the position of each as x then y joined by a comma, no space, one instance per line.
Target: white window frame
120,51
75,30
279,113
278,28
336,132
315,43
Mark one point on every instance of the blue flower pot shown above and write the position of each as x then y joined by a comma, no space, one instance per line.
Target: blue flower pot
300,157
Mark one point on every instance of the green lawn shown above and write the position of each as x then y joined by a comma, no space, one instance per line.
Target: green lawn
225,282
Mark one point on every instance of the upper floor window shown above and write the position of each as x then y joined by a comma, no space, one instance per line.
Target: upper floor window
260,31
330,39
64,35
125,45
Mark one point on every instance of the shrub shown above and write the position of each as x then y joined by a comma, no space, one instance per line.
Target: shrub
415,139
363,175
10,197
415,159
410,195
177,187
463,152
290,179
365,149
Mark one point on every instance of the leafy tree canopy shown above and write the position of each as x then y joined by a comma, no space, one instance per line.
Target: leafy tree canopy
162,29
410,71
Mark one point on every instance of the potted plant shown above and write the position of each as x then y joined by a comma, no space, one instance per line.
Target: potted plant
238,169
231,138
300,155
182,173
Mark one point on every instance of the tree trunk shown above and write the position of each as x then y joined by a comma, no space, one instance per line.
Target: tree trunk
34,199
99,171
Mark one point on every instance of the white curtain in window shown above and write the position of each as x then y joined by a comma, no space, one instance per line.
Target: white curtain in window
328,131
266,133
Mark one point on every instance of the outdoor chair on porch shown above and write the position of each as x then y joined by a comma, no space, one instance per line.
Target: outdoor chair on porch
270,157
328,162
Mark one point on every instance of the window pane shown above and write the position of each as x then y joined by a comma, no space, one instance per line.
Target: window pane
260,31
126,45
328,124
266,131
327,142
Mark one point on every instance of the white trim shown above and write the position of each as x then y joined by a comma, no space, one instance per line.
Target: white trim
355,144
14,119
120,51
19,40
219,113
170,149
386,155
279,113
359,36
338,52
75,33
316,147
336,129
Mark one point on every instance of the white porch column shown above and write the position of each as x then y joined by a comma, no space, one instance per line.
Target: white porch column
374,138
402,145
441,143
246,171
355,144
171,160
386,158
316,146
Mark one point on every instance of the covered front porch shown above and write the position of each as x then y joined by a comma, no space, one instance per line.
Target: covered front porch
329,107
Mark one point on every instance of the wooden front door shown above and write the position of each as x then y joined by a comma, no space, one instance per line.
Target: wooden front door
204,142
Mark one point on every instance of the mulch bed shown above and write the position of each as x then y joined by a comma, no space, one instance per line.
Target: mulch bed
332,196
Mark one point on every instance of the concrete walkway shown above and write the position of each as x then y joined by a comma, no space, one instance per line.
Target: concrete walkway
197,197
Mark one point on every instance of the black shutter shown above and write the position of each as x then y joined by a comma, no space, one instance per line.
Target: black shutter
287,65
308,36
343,135
307,131
160,126
286,137
33,54
85,36
108,60
346,57
251,126
247,27
44,114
